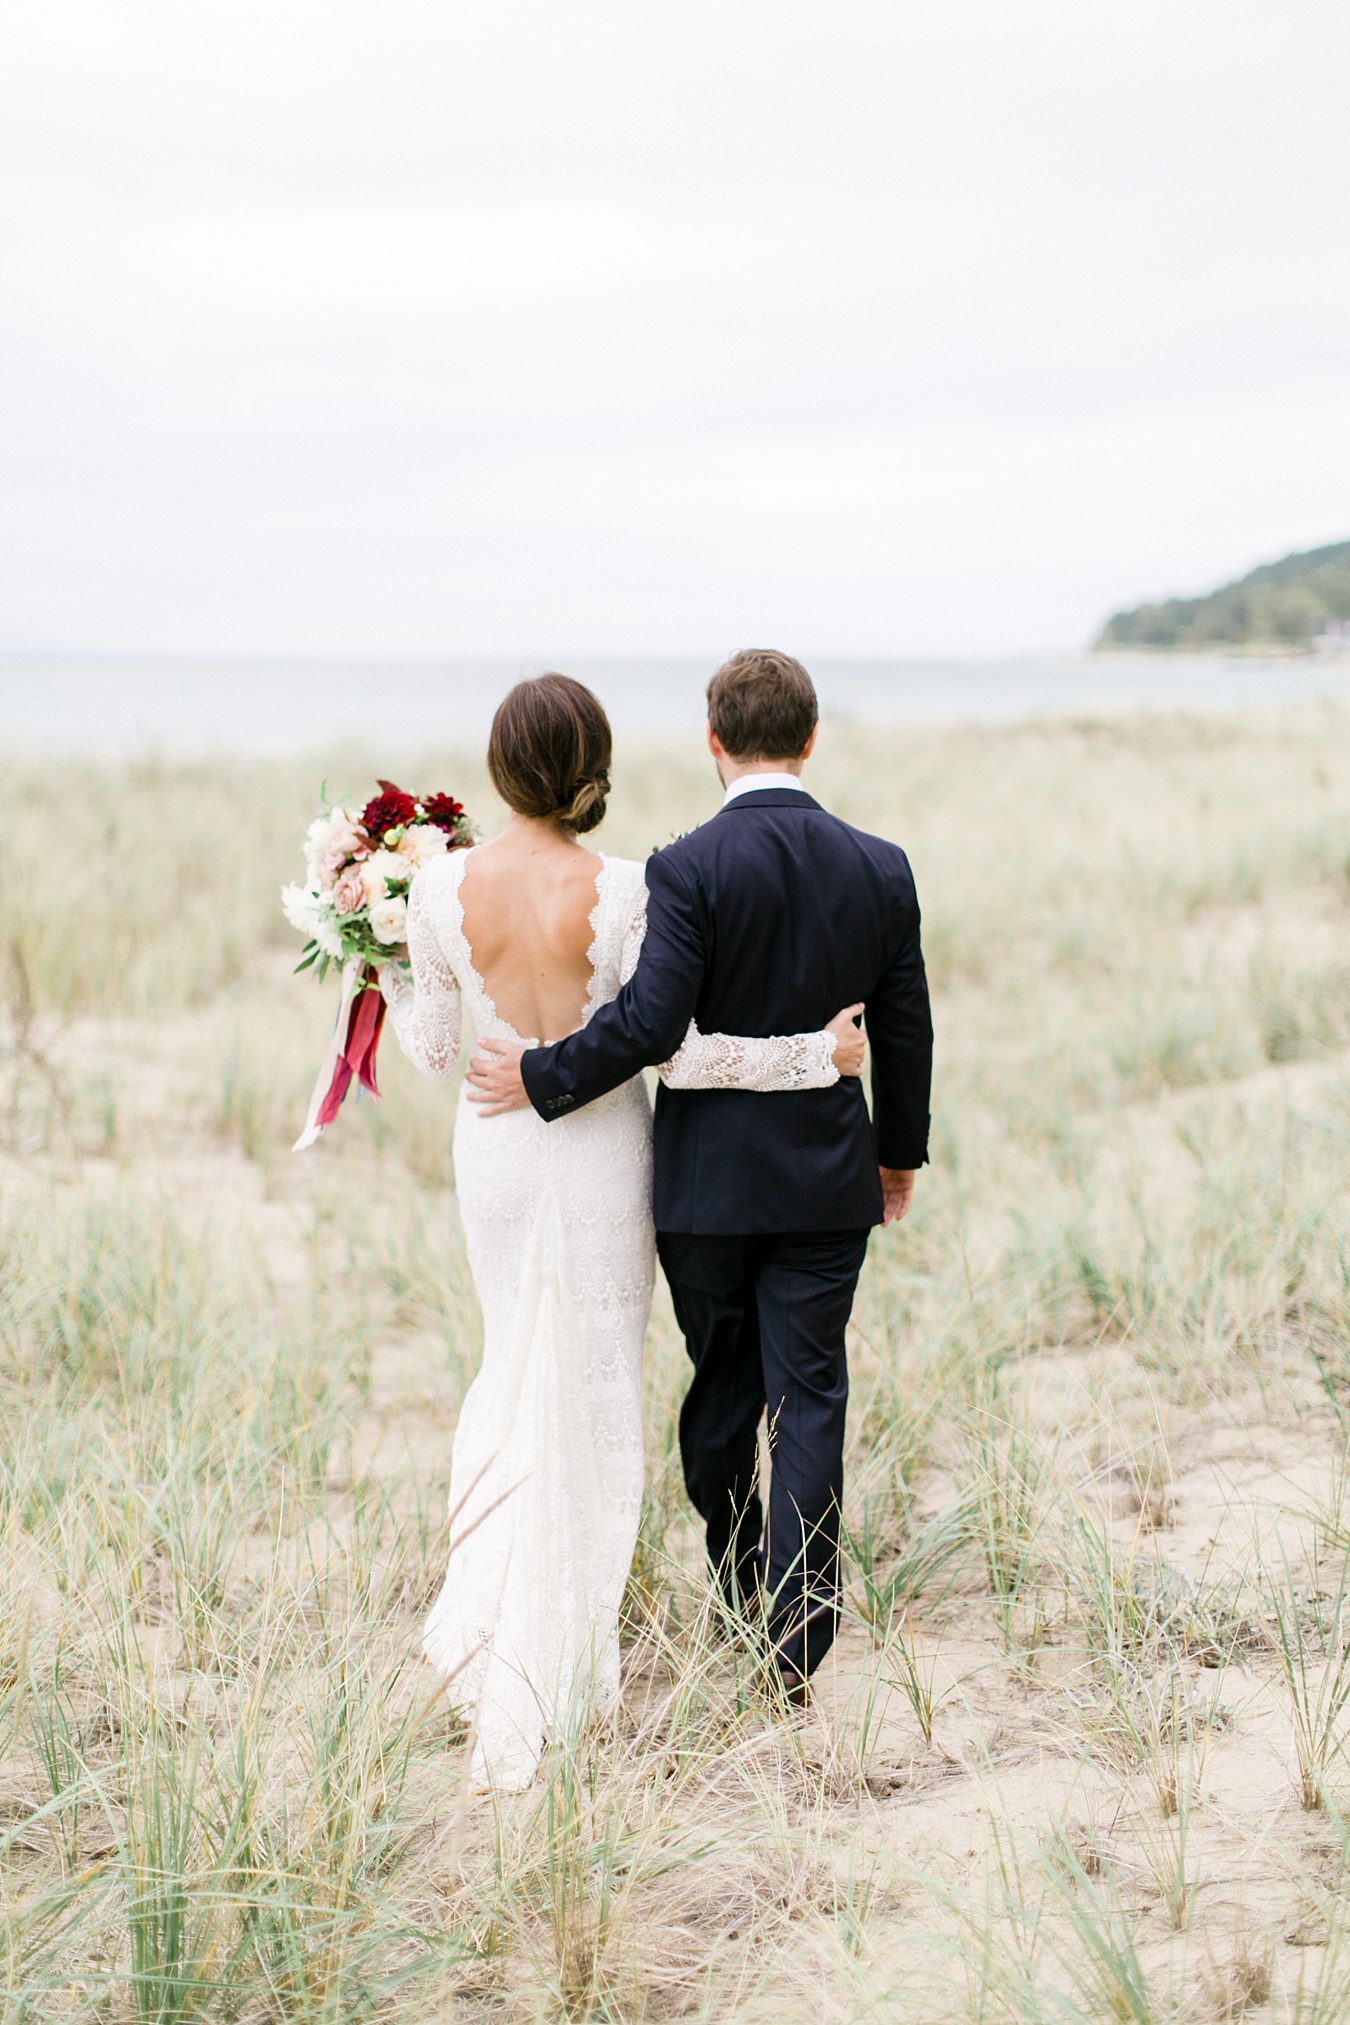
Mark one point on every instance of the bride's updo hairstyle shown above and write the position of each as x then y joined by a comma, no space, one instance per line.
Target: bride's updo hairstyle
549,752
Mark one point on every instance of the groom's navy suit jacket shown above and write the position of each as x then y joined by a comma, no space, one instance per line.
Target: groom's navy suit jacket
768,920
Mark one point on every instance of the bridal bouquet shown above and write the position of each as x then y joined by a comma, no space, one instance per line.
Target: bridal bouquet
353,909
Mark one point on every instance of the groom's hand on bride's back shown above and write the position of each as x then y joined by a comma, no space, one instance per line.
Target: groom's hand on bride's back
494,1078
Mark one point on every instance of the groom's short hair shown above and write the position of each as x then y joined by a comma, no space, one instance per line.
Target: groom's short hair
762,705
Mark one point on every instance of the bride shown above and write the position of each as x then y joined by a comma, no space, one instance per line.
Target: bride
528,934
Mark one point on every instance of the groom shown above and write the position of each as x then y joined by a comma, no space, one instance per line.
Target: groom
766,920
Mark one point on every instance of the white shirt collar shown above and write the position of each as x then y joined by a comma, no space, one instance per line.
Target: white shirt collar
750,783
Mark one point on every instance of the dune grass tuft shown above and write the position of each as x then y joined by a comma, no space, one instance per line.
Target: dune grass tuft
1080,1754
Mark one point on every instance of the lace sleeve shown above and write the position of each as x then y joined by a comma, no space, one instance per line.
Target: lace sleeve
747,1062
635,928
735,1061
425,1008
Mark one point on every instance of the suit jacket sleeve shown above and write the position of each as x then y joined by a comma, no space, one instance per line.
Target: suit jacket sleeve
900,1035
650,1017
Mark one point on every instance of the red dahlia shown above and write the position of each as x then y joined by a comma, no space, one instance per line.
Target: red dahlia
387,811
443,810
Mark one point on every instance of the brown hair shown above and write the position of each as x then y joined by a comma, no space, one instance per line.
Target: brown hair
762,705
549,751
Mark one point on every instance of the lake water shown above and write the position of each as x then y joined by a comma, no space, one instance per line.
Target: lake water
273,706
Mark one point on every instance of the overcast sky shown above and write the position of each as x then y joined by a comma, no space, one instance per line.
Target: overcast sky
588,327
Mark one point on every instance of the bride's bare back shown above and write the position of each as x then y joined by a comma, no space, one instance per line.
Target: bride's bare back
527,905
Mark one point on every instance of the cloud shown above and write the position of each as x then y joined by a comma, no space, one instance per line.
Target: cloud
417,328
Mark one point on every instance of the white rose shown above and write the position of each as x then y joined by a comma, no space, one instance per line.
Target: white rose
379,867
421,842
389,918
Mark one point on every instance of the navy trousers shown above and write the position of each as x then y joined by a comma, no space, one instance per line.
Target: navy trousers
763,1320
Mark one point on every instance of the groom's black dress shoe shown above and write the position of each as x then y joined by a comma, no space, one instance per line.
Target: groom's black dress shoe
795,1691
783,1688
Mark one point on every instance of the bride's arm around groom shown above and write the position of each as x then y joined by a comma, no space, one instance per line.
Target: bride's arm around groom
762,922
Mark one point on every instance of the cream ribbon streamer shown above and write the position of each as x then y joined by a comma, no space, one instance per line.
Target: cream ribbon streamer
352,972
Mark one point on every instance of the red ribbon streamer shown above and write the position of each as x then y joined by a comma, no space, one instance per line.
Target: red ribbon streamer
359,1048
364,1035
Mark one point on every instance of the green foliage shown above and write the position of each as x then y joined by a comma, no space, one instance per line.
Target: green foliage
1281,605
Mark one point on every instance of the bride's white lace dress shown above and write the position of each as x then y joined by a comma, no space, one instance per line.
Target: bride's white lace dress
546,1473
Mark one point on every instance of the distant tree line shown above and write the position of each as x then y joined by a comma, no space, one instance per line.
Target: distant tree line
1281,604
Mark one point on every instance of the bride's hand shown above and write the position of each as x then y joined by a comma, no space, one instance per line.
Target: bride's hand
850,1042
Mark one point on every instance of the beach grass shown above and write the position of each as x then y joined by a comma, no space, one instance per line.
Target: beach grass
1081,1751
